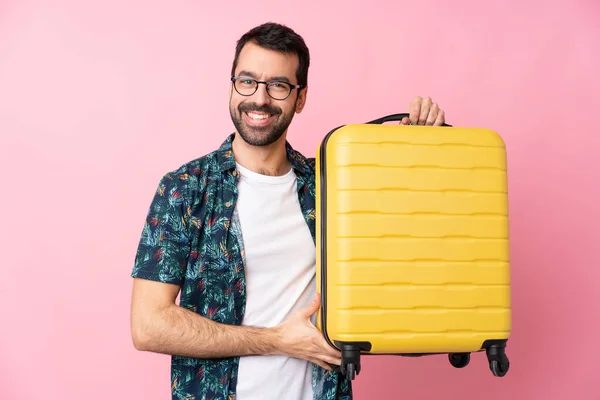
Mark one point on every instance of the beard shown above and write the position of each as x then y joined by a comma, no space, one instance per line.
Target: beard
261,136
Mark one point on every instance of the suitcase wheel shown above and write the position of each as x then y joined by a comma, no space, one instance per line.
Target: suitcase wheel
459,360
351,357
499,363
352,370
500,367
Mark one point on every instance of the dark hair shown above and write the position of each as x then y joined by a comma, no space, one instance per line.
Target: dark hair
279,38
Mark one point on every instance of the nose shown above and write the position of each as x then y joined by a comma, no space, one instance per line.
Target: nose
261,96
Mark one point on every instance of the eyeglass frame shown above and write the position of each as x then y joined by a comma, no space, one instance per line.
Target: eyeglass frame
290,85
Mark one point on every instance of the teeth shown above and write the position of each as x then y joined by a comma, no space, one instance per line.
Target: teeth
258,116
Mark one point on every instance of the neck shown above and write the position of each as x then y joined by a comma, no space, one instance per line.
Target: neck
266,160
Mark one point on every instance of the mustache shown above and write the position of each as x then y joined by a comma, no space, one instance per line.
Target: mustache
246,107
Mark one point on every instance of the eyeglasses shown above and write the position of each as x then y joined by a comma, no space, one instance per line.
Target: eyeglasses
277,90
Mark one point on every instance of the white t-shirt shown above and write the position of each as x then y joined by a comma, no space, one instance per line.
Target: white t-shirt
280,279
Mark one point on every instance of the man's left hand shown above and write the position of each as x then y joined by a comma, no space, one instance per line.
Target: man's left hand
424,112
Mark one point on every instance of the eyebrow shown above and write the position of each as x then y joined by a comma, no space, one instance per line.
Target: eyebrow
280,78
273,78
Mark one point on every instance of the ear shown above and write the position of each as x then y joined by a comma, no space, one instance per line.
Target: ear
301,102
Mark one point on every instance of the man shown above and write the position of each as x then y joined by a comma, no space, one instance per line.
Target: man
234,231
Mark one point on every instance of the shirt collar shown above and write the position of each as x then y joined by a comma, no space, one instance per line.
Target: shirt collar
226,159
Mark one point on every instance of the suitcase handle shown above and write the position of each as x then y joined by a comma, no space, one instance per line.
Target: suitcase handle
394,117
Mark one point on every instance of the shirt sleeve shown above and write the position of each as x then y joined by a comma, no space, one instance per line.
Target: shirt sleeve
164,246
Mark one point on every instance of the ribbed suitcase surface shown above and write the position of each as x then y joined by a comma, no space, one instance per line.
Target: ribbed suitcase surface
415,238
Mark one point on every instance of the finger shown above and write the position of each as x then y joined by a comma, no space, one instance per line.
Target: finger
320,346
433,113
425,107
415,110
440,118
320,363
405,121
331,360
313,307
330,351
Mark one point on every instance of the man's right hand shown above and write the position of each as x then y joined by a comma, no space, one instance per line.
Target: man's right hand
297,337
161,326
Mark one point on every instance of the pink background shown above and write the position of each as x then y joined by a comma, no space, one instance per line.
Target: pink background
99,98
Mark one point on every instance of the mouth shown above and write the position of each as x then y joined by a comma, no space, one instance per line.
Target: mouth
256,118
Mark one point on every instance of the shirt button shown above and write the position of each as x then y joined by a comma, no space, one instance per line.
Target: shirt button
228,204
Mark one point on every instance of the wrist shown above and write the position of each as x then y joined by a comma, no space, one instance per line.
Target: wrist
273,340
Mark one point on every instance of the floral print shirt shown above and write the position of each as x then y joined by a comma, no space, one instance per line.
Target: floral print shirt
191,238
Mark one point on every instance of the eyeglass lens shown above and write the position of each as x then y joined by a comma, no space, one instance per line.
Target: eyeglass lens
248,86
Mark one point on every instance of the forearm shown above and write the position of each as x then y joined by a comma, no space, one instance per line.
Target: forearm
177,331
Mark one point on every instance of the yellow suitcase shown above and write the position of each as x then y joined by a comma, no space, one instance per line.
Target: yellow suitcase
413,242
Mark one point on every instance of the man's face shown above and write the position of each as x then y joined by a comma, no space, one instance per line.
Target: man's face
259,119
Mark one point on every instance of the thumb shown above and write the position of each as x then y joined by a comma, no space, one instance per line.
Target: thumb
313,307
405,121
